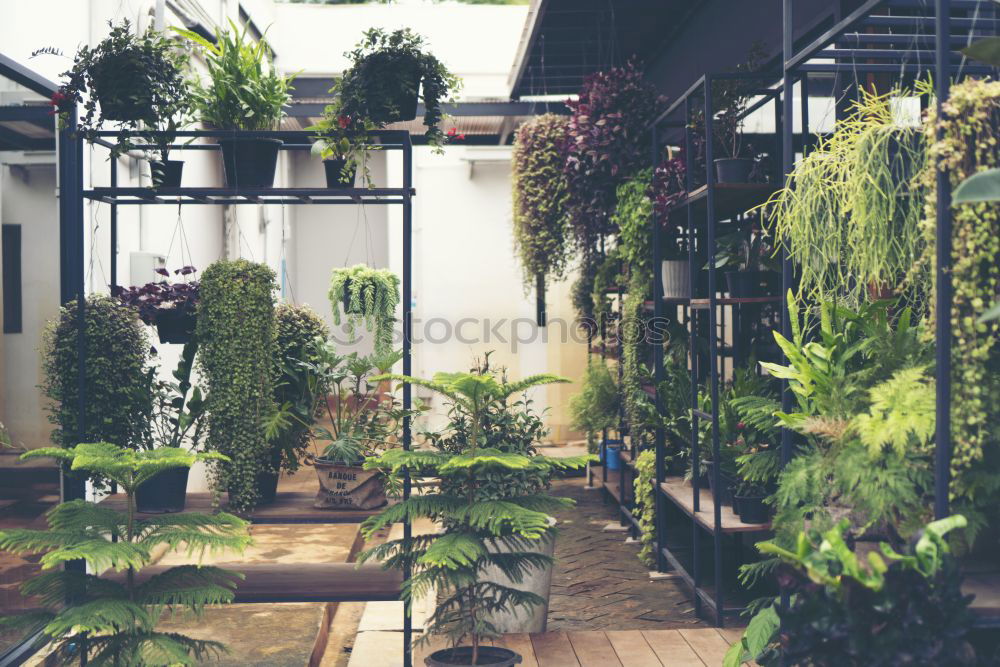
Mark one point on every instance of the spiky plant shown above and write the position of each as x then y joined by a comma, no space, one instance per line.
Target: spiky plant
480,530
111,620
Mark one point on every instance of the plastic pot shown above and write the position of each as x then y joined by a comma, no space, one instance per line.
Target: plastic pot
733,170
613,454
401,103
491,656
753,509
675,274
175,325
249,162
334,173
166,174
164,493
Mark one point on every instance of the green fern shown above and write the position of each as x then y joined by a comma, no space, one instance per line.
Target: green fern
114,623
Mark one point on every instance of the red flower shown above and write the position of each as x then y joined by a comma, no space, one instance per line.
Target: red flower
59,100
343,121
740,426
453,134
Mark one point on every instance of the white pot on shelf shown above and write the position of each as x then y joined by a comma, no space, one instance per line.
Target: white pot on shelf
676,277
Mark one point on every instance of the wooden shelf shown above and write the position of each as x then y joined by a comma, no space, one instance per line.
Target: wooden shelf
679,492
290,507
731,199
730,301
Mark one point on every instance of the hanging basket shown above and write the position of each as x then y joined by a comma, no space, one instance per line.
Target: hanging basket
175,325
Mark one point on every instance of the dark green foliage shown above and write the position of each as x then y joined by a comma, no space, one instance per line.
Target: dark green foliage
373,295
634,219
114,620
119,403
236,327
299,333
596,407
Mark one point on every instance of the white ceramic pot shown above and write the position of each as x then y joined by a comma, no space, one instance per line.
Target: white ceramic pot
676,277
536,580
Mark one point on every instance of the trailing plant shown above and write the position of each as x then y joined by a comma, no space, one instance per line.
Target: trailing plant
596,407
134,81
299,335
117,375
849,214
669,188
538,187
886,608
607,142
967,144
635,373
152,298
480,529
244,91
111,620
368,295
645,505
634,219
236,330
387,68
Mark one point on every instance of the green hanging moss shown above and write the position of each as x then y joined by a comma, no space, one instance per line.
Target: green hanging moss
372,296
236,330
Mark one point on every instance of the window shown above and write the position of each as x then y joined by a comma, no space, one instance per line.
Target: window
11,240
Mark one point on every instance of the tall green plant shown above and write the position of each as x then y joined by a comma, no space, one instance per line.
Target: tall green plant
368,296
117,374
236,329
634,219
112,620
596,407
538,188
480,530
243,92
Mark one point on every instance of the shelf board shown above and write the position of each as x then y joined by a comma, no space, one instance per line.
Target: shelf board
730,301
679,492
289,507
986,605
174,196
731,199
705,593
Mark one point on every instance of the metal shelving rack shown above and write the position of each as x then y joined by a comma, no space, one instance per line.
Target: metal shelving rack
72,233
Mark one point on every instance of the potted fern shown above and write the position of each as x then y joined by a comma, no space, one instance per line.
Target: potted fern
111,619
244,93
483,528
369,296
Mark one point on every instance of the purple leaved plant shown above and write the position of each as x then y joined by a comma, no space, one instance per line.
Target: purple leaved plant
151,298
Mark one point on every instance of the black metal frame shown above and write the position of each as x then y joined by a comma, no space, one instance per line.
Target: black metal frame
72,234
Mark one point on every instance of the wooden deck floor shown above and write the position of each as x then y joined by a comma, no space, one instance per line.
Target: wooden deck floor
695,647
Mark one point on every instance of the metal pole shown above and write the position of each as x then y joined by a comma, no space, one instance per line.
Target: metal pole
658,371
713,361
788,163
943,287
692,347
114,227
407,370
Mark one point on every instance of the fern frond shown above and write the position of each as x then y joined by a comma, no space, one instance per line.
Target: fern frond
454,550
62,545
431,505
198,541
516,565
153,649
496,516
511,388
53,588
99,617
189,586
80,514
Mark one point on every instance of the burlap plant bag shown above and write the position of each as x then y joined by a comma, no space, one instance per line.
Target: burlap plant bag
344,487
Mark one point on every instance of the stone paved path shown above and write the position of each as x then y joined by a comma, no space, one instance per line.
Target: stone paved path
599,583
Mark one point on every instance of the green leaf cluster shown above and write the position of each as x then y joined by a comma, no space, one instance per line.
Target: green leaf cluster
596,407
634,219
372,297
112,620
236,328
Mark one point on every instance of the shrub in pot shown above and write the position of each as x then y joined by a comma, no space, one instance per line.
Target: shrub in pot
747,259
134,82
341,142
236,334
243,93
730,99
597,405
483,526
170,307
368,296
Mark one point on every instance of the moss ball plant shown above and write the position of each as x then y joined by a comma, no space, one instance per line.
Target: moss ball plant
236,329
538,185
117,374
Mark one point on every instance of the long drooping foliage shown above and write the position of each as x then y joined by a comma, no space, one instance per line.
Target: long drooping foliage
481,529
236,327
111,620
634,219
369,296
538,187
968,144
117,374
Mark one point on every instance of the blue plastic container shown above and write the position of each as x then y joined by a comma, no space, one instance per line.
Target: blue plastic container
614,456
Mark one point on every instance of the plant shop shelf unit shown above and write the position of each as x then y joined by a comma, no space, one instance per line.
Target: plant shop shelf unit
882,38
271,582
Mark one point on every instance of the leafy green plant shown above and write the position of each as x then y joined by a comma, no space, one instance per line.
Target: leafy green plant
244,92
299,335
340,137
117,375
236,330
480,529
368,295
884,609
596,407
645,505
608,275
179,420
387,68
538,190
112,620
634,219
849,214
133,81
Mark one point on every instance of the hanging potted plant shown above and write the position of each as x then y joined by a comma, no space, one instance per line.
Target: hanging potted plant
134,82
484,528
244,93
388,72
170,307
368,296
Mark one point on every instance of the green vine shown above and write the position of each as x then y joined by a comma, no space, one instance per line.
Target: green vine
968,144
635,374
633,217
645,508
538,185
372,297
236,329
